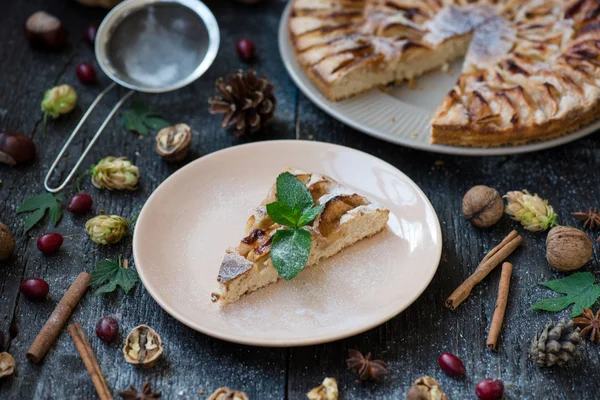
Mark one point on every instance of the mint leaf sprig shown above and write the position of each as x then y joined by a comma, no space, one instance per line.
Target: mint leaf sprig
579,289
38,206
294,209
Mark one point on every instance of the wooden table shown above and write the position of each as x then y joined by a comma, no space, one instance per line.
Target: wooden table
568,176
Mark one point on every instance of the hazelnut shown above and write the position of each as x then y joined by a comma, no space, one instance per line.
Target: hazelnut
143,347
7,364
45,30
426,388
482,206
15,148
7,242
568,248
173,142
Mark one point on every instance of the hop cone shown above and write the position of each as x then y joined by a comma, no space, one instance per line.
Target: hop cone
59,100
115,173
247,102
533,212
556,345
107,229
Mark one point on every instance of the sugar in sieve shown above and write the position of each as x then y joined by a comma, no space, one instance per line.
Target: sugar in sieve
150,46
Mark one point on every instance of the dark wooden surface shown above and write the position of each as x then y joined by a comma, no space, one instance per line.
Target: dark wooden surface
568,176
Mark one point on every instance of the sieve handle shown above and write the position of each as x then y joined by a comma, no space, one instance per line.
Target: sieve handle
89,146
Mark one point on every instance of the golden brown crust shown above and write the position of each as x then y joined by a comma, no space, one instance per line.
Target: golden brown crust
458,136
532,71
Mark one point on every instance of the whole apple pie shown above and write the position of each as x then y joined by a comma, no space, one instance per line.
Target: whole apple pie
531,69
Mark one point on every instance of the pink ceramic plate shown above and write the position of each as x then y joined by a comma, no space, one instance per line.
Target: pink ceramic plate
189,221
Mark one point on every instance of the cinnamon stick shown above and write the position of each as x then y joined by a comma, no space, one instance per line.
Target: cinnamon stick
59,316
489,262
90,361
501,302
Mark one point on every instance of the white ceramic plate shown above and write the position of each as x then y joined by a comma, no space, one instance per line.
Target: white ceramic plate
195,215
403,115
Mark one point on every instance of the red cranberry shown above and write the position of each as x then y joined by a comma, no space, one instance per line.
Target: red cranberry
245,49
451,364
86,73
89,34
107,329
50,243
34,288
80,203
489,389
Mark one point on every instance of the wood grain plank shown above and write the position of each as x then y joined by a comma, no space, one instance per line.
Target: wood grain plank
192,360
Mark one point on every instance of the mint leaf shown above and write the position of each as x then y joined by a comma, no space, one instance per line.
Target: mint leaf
38,206
138,118
282,214
107,275
293,193
309,215
289,251
579,289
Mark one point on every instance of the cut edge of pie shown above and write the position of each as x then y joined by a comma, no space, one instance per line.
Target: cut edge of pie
346,219
531,70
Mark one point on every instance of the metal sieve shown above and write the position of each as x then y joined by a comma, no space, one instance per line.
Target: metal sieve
150,46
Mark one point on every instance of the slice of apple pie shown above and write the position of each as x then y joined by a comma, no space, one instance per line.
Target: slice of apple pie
346,218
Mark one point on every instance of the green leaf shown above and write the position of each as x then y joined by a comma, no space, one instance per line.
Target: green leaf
33,203
309,215
282,214
580,290
573,283
292,192
55,213
107,275
33,219
38,206
156,123
553,304
138,118
289,251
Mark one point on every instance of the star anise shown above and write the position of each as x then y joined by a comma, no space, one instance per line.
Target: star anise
591,218
365,367
146,393
589,324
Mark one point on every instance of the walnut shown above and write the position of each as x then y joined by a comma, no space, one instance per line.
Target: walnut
7,242
482,206
224,393
173,142
426,388
143,347
7,364
328,390
568,248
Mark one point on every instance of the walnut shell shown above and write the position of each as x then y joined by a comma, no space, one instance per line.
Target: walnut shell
568,248
426,388
224,393
143,347
482,206
7,364
7,242
173,142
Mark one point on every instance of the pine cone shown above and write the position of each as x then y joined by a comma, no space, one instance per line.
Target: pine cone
246,100
556,345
